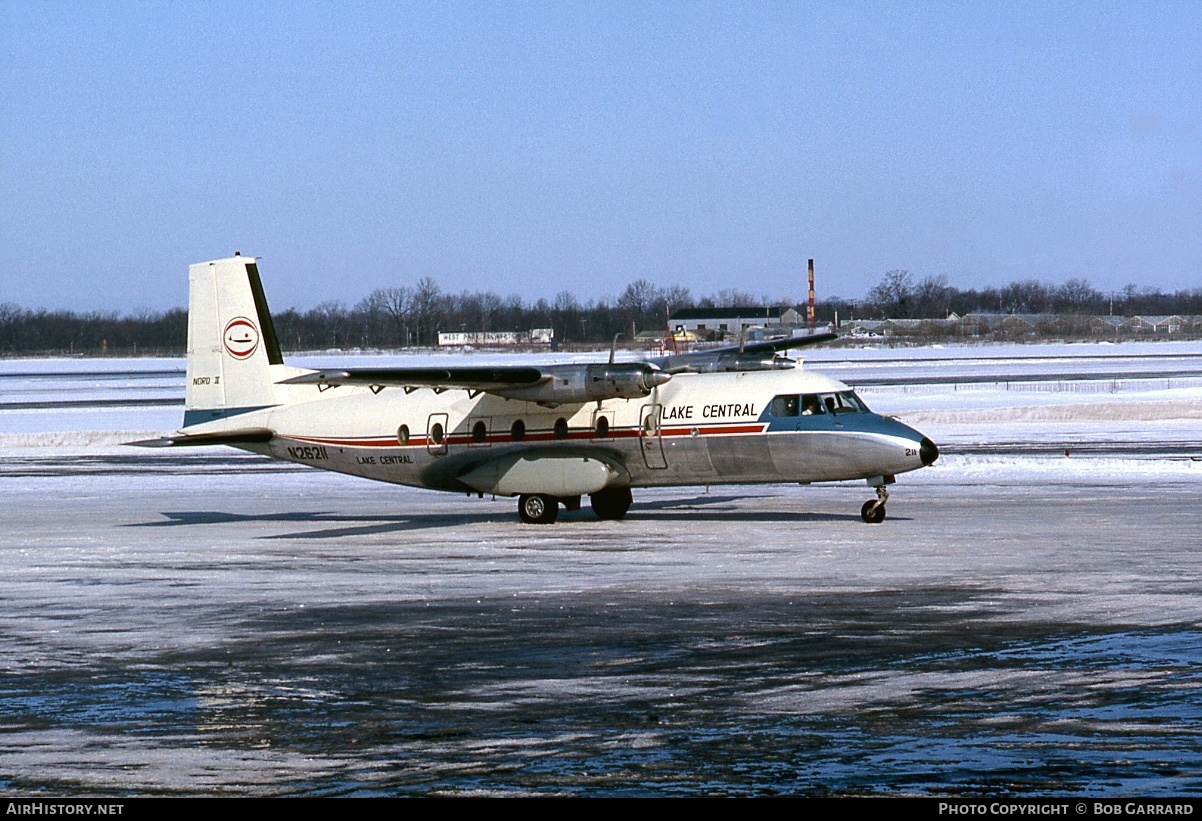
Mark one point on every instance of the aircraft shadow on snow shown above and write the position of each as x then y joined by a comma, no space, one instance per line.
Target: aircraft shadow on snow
705,508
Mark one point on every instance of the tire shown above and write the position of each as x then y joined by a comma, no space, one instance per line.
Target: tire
538,508
872,513
612,502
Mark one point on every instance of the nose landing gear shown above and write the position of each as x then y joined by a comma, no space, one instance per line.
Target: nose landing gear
873,511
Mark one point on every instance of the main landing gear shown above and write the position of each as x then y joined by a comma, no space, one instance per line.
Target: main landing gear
542,509
873,511
538,508
611,503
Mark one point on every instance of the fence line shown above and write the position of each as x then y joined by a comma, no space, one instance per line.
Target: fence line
1090,386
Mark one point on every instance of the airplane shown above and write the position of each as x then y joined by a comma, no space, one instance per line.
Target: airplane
548,435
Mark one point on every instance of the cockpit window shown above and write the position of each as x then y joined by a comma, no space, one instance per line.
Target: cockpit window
809,404
851,398
844,402
783,406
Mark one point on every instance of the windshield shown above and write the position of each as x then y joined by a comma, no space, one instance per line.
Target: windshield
844,402
810,404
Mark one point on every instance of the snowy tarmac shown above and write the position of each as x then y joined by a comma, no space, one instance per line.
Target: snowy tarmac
1024,622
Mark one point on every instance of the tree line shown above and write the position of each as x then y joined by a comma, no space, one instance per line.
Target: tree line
413,315
899,296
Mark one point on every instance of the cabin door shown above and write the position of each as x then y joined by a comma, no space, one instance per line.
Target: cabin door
651,439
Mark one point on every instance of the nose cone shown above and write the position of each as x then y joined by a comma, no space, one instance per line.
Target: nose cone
927,451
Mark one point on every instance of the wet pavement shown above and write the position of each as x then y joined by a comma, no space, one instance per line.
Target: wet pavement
265,632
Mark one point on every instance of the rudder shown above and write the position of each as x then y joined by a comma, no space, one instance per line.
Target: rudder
231,341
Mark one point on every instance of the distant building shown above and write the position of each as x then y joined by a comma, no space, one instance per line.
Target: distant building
488,339
1168,324
1108,324
719,321
861,327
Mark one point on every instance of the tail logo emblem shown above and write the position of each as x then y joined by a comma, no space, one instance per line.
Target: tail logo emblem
241,338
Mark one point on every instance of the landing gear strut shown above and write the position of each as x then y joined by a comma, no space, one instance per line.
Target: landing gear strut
873,511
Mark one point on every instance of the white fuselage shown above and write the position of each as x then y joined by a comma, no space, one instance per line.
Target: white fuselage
710,428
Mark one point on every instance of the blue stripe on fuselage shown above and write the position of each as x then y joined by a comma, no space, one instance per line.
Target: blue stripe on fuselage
849,422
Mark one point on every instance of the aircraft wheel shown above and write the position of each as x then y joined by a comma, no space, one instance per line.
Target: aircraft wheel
538,508
872,512
612,502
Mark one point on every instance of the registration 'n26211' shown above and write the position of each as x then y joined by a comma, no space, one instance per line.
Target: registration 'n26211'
308,453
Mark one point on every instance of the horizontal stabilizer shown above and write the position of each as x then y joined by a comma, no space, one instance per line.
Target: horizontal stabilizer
245,436
471,379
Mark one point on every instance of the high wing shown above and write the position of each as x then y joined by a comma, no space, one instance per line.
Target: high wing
550,386
785,343
752,356
558,384
484,380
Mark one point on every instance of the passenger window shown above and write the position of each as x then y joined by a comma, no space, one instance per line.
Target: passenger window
783,406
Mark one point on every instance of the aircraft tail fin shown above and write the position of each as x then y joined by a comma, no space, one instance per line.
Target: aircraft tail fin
232,344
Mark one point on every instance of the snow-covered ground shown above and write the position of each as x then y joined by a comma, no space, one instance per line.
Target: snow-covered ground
1025,622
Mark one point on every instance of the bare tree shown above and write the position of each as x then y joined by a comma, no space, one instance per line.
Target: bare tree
331,318
893,296
565,313
1026,296
636,303
397,305
426,309
1077,296
932,297
675,297
730,297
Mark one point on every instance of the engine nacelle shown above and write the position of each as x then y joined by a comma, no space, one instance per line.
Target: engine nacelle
735,361
592,383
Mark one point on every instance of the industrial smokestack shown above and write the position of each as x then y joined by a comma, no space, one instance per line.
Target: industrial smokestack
810,308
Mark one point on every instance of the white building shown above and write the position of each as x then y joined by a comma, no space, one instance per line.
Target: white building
719,321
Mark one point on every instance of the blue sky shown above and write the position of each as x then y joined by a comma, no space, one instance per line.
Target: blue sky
531,148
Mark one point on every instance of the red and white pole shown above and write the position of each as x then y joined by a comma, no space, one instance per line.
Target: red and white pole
810,309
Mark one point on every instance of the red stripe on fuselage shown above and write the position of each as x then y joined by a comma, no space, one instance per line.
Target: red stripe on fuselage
719,429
